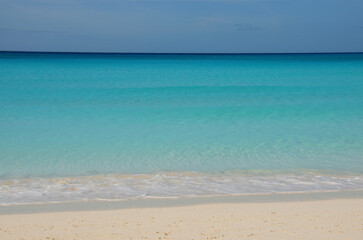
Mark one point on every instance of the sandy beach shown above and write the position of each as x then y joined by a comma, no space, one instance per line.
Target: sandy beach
320,219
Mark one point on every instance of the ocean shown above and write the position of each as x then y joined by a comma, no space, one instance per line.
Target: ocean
79,127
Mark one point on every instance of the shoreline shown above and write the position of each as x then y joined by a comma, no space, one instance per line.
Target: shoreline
165,185
164,202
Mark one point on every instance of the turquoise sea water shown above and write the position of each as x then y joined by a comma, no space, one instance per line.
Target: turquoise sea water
93,126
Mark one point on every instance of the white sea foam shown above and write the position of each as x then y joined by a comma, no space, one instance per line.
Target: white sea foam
118,187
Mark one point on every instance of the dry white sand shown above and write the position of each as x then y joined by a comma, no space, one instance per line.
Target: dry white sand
323,219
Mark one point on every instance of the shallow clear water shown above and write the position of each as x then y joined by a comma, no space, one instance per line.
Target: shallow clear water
114,117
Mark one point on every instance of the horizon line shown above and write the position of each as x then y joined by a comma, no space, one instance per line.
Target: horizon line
175,53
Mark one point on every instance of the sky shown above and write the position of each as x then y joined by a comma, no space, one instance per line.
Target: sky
182,26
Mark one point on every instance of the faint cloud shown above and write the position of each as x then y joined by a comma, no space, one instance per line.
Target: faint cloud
246,27
12,30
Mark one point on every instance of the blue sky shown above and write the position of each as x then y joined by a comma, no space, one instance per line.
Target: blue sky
231,26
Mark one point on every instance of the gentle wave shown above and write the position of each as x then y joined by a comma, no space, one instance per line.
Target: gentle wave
176,184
